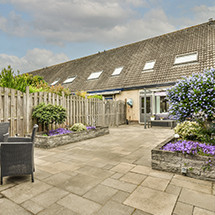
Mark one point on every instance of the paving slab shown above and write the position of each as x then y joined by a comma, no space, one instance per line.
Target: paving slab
25,191
205,188
198,199
80,184
120,196
155,183
32,206
58,210
152,201
79,205
172,189
115,208
8,207
200,211
120,185
182,208
133,178
100,194
123,167
49,197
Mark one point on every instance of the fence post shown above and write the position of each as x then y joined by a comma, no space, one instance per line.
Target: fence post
6,104
28,111
103,112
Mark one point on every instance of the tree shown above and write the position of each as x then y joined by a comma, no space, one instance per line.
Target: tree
193,97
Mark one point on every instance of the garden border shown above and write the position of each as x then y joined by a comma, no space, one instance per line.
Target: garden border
48,142
194,166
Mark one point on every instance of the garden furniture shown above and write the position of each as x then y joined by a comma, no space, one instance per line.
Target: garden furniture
4,128
17,156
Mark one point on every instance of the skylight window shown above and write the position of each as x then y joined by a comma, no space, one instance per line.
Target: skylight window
186,58
55,82
69,80
94,75
149,65
117,71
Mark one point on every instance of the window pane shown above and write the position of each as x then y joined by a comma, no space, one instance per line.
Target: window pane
149,65
94,75
164,105
186,58
69,80
117,71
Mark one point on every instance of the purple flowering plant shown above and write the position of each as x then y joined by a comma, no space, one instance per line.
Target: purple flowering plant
193,97
190,147
58,131
90,127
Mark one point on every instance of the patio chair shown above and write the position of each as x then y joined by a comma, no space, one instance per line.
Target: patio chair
17,156
4,128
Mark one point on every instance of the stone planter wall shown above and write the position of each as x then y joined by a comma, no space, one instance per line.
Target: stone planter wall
194,166
58,140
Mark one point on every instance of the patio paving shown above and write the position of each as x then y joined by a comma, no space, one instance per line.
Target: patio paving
109,175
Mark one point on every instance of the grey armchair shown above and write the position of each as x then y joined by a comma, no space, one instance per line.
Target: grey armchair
4,128
17,156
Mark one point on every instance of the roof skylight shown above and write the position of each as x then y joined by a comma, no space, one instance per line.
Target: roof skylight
55,82
94,75
149,65
186,58
69,80
117,71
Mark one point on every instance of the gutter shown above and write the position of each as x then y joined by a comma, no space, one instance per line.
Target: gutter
118,90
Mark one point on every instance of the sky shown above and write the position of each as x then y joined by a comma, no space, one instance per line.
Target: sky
37,33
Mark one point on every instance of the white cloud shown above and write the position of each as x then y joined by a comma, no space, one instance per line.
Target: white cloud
60,22
34,59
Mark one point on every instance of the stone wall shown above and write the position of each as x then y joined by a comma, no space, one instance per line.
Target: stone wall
194,166
58,140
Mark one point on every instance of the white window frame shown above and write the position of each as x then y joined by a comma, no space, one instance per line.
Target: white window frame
69,80
186,58
117,71
55,82
94,75
149,66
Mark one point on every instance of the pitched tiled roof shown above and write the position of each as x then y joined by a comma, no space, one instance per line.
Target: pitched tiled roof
132,57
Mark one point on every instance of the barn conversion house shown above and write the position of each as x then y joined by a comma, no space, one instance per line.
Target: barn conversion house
153,64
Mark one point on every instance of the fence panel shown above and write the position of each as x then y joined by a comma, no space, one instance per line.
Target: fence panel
17,107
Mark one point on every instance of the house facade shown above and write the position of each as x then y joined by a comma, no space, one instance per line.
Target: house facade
149,66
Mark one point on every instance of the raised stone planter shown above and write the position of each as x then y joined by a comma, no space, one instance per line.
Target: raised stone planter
58,140
194,166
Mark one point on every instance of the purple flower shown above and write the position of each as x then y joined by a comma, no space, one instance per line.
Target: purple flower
190,147
58,131
90,127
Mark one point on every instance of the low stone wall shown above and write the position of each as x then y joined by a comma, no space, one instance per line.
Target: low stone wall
62,139
195,166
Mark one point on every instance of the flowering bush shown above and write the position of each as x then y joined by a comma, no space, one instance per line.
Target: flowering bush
58,131
78,127
193,96
190,147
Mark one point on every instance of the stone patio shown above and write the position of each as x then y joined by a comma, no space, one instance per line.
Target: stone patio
109,175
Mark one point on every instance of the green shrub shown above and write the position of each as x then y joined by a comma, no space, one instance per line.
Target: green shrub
78,127
49,114
195,131
188,130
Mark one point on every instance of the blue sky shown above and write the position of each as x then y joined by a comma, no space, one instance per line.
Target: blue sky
37,33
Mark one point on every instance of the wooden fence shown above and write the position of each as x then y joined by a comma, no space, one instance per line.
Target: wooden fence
16,107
